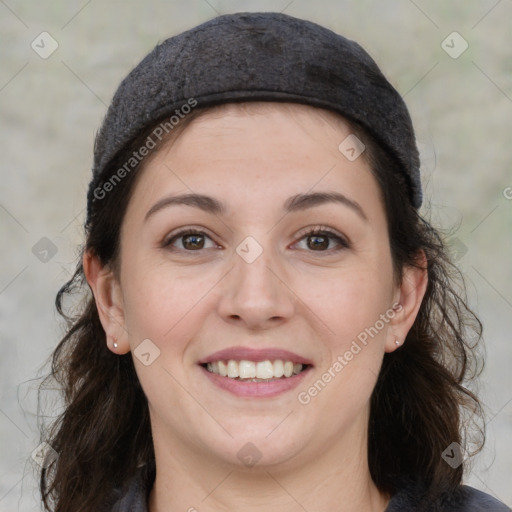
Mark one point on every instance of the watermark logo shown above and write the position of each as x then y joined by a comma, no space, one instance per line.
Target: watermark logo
351,147
249,249
44,455
147,352
453,455
457,248
454,45
44,250
44,45
249,455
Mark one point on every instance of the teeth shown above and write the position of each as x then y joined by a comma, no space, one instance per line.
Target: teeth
222,368
247,369
254,371
288,369
264,370
278,369
233,370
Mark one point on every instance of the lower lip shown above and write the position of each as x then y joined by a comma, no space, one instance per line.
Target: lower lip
256,389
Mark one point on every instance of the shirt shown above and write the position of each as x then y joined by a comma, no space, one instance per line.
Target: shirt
407,499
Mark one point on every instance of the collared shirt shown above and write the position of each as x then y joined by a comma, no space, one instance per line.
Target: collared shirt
407,499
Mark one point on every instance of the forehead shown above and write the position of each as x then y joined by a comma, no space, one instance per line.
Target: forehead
256,150
305,117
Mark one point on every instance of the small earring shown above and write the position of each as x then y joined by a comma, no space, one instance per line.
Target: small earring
115,344
397,342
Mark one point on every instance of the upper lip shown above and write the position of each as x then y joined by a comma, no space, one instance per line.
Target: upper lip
256,355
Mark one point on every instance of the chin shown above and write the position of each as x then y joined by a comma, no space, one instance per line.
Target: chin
259,449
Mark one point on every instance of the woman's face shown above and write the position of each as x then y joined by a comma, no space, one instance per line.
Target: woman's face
248,281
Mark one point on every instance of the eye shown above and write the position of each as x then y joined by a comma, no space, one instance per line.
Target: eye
189,240
322,239
319,239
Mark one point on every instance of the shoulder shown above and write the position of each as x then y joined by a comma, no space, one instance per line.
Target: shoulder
464,499
473,500
134,496
409,499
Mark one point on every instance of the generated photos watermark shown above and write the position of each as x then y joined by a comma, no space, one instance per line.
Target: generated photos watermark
342,360
150,143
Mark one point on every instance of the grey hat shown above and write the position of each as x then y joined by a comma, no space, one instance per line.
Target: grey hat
257,56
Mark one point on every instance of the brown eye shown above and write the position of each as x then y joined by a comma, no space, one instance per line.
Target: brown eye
322,240
189,241
318,242
193,242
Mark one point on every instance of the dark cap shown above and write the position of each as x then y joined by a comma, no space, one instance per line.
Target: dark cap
258,56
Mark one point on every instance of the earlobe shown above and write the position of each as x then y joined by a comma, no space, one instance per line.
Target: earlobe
410,295
107,295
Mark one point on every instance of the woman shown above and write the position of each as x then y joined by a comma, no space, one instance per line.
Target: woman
272,324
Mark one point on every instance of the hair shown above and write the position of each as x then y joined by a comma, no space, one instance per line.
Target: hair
420,404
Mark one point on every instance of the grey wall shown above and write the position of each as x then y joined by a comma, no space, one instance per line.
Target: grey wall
51,107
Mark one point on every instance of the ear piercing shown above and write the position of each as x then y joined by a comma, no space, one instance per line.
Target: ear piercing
397,342
114,344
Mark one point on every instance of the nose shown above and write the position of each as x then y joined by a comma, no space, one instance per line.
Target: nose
256,294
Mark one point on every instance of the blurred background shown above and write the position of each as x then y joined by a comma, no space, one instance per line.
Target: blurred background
60,63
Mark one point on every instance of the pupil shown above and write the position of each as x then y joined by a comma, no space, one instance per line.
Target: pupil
193,241
319,242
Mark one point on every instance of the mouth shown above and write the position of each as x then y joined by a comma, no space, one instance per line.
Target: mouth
255,373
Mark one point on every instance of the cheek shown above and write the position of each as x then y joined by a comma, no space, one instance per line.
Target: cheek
348,301
354,311
163,303
168,308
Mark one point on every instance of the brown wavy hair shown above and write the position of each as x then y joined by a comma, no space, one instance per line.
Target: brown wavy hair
420,404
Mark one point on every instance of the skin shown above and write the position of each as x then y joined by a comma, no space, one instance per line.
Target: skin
314,302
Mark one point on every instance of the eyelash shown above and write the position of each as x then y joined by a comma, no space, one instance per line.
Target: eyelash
342,242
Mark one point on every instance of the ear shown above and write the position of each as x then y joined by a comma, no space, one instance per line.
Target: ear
107,294
408,299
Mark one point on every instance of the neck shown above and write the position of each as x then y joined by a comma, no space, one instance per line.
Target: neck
338,479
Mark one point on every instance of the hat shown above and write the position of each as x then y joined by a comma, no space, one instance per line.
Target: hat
257,57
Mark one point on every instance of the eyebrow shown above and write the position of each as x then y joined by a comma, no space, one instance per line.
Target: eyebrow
298,202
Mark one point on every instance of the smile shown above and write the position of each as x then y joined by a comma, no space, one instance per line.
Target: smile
255,371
